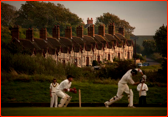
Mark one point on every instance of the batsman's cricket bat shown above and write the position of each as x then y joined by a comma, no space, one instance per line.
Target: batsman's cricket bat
140,90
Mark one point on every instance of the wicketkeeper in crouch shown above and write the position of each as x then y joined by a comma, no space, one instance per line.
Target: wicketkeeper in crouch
123,87
65,87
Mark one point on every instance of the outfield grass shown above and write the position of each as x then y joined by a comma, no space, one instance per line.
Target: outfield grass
84,111
151,68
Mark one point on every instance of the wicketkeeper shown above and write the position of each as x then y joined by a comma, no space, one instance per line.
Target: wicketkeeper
65,87
123,87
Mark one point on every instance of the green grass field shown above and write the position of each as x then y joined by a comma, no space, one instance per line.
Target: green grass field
85,111
151,68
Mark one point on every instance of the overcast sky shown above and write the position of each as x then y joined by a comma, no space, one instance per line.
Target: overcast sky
145,16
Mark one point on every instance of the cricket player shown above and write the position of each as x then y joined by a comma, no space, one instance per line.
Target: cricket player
65,87
123,87
53,89
142,88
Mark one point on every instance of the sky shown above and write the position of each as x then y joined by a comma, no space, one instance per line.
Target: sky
145,16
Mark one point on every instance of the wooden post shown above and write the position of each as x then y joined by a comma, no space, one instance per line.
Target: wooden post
79,98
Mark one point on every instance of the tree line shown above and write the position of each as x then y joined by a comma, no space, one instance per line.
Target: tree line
35,14
158,45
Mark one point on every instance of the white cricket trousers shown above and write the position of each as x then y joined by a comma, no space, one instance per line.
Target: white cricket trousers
61,94
54,98
122,88
63,97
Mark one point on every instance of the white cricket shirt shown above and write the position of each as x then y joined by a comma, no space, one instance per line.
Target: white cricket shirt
143,93
64,85
127,78
53,87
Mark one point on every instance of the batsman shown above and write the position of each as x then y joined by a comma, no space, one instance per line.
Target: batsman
123,87
62,89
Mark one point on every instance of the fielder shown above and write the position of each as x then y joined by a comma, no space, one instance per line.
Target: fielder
54,97
123,87
65,87
142,88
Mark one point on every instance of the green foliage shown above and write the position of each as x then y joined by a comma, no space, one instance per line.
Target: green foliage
34,14
37,15
94,63
6,60
5,36
108,18
23,63
164,67
149,46
22,33
36,33
85,30
98,24
138,56
11,48
73,70
116,70
88,74
8,14
115,59
151,68
161,40
27,64
153,76
139,49
157,57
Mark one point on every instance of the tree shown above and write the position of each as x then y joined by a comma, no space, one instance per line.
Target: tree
139,49
161,40
5,36
94,63
34,14
8,14
149,46
108,18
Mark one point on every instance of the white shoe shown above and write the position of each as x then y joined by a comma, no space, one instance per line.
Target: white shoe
106,105
131,106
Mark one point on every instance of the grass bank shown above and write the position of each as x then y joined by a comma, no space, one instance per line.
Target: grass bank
38,92
151,68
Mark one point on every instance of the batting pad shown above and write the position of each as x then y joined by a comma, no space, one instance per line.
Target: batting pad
114,99
62,101
67,101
